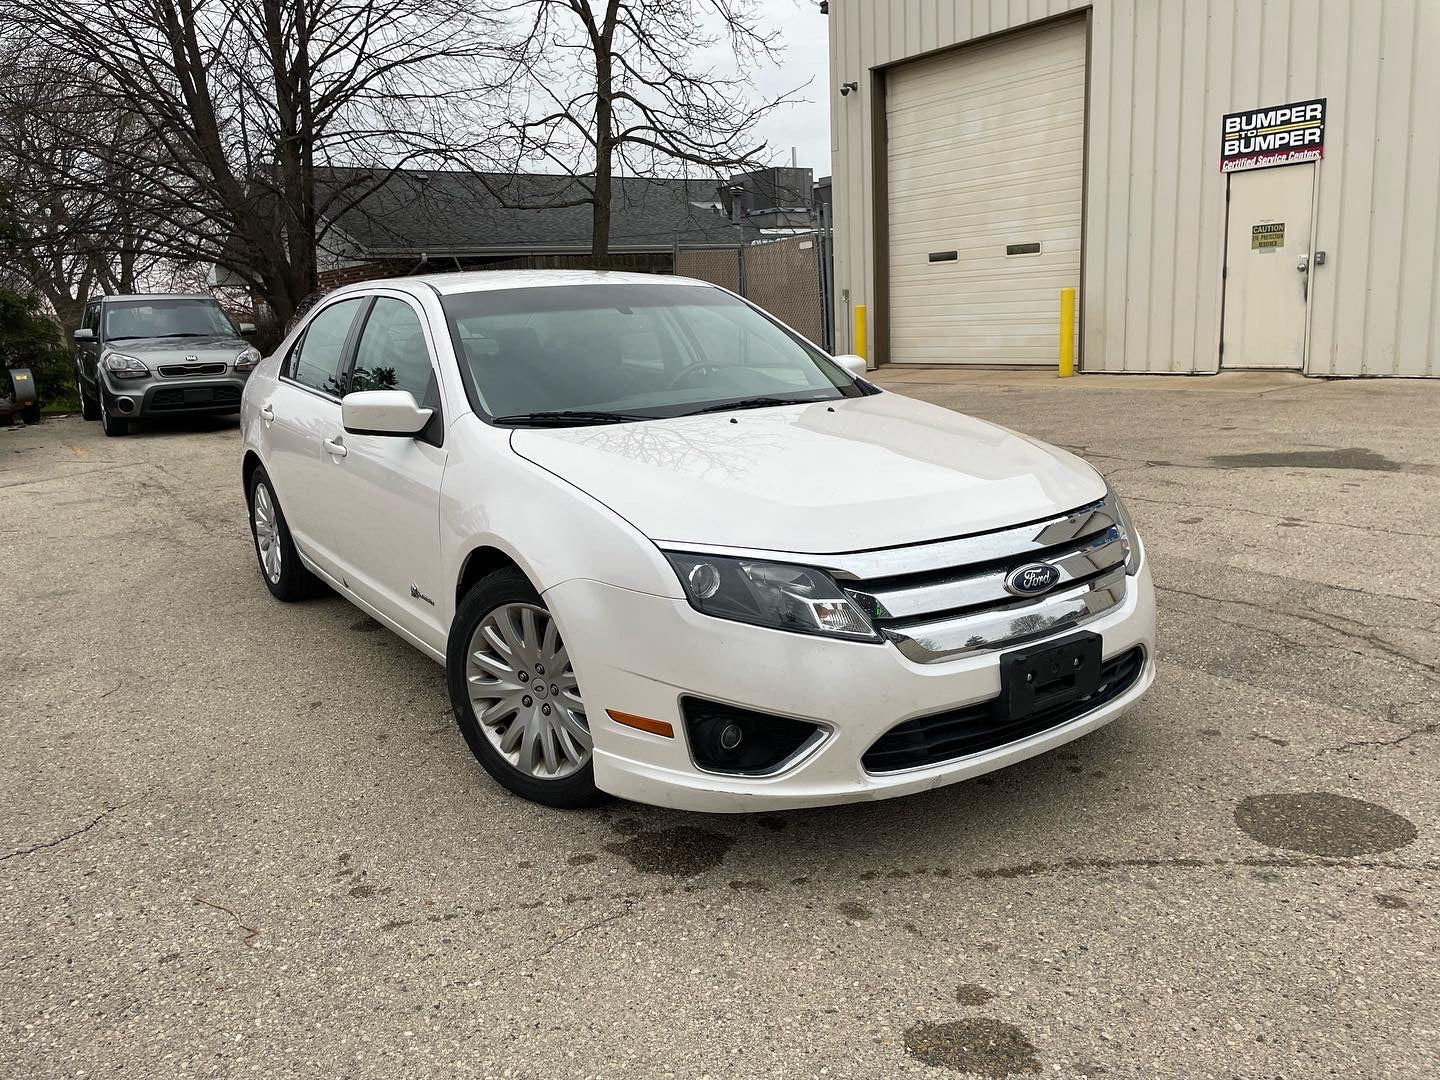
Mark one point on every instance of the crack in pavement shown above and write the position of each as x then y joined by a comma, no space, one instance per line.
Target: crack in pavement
1190,505
1037,869
1319,620
78,832
564,939
1357,744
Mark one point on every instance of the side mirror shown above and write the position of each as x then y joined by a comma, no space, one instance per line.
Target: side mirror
84,334
855,365
383,412
247,328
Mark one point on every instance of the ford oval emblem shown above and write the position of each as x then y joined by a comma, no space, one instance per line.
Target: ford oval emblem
1032,579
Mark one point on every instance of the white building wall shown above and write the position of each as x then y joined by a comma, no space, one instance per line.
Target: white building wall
1162,73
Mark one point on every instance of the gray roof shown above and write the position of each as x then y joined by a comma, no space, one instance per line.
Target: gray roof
408,212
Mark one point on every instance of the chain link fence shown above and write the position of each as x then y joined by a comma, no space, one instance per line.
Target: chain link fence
788,277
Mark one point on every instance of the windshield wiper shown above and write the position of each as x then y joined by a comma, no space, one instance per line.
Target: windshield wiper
188,333
568,418
751,403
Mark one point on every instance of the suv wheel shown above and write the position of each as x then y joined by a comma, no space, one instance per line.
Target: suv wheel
113,425
515,695
285,576
89,407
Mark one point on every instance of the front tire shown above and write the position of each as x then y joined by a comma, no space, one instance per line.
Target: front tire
113,426
515,695
280,566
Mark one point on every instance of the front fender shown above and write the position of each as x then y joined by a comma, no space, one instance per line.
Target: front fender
555,532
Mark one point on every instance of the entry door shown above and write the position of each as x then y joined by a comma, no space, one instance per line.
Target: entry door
392,548
1267,267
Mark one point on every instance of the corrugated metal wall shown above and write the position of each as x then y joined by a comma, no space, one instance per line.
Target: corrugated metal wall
1162,74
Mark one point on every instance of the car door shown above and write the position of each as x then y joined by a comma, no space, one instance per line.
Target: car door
302,413
392,483
87,353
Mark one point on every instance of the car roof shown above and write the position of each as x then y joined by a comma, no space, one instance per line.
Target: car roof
467,281
159,296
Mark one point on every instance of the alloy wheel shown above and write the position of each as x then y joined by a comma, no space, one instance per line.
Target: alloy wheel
524,692
267,533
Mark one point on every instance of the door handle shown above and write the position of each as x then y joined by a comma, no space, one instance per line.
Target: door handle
267,413
1303,265
335,446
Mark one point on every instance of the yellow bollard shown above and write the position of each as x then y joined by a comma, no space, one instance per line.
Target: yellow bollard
1067,333
860,349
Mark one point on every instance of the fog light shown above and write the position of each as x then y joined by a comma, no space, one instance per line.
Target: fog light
726,739
124,404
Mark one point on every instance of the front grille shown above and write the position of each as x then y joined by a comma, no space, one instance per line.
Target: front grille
947,736
950,598
192,397
180,371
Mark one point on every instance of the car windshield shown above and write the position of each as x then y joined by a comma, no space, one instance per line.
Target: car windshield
631,351
165,318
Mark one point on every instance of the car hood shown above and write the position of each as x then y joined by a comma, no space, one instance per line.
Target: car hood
212,347
848,475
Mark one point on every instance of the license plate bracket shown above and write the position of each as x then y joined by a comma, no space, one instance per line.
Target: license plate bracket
1055,673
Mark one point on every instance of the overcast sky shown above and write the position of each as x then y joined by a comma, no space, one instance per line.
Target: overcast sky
806,57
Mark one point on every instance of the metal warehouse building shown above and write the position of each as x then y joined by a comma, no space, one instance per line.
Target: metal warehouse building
1228,183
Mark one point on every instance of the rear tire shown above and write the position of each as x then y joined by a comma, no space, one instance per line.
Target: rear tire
31,413
89,406
280,567
505,657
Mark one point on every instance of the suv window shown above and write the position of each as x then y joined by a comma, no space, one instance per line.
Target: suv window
392,354
91,317
314,359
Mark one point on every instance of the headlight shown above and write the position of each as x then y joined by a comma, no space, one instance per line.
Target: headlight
778,595
247,358
1129,538
123,366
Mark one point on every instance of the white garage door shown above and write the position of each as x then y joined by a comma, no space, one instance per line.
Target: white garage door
986,163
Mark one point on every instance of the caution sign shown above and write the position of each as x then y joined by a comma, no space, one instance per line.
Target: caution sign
1275,135
1267,237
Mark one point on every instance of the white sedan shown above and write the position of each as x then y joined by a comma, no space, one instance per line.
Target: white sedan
668,549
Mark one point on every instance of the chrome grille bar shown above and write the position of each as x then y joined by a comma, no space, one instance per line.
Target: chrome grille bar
949,638
903,601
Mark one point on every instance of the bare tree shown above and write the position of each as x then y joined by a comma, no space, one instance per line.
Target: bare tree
73,220
638,86
239,101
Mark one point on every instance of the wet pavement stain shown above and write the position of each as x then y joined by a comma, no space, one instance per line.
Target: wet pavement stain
985,1047
582,858
851,910
682,850
1394,903
366,625
1351,457
1319,823
971,994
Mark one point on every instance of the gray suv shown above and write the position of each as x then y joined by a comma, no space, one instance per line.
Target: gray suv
159,355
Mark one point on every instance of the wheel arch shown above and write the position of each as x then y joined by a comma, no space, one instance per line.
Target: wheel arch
247,470
481,560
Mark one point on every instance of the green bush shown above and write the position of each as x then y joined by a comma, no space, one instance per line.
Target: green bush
31,339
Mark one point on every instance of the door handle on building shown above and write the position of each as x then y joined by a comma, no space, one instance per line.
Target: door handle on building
335,446
1303,265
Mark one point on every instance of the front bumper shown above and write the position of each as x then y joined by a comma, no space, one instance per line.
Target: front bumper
667,650
151,397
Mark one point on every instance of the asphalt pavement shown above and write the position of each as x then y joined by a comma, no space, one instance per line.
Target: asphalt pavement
241,838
